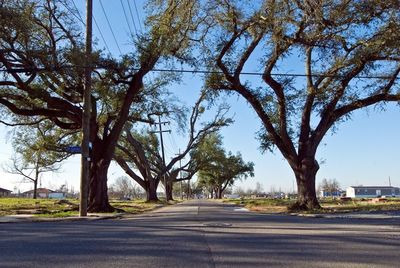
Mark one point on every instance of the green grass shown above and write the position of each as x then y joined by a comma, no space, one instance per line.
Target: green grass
9,206
263,205
52,209
57,214
332,205
135,206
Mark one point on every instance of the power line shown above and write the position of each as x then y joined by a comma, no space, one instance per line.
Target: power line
76,14
137,14
101,34
173,140
126,17
133,20
109,25
48,69
79,16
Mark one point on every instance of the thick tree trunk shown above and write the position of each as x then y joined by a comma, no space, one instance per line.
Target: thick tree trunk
220,191
98,191
305,178
169,188
151,190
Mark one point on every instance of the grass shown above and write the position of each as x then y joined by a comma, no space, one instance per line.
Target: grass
328,205
263,205
135,206
332,205
58,214
52,208
10,206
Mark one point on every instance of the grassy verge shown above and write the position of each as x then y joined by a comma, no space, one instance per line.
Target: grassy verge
263,205
355,205
51,208
328,205
10,206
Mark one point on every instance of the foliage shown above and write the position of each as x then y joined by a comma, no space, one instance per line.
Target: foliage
350,53
139,151
42,60
219,169
32,157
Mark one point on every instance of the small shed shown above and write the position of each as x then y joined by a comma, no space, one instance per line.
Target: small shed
372,191
5,192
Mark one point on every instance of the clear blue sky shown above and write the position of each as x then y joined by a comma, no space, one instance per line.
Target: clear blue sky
365,150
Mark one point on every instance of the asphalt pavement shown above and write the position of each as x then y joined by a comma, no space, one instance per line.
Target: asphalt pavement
203,234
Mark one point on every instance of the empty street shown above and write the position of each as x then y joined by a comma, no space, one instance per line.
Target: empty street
202,234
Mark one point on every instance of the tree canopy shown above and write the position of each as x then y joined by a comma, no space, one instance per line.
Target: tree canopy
349,51
217,168
42,59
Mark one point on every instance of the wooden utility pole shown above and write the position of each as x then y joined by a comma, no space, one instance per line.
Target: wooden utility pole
85,158
180,173
162,149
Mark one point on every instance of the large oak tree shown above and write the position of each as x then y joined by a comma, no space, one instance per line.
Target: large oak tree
41,60
139,155
219,169
350,54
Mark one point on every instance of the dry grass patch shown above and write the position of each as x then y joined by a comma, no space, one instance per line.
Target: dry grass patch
328,205
66,207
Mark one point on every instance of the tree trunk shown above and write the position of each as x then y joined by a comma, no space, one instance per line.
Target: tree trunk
219,193
35,182
305,178
98,192
169,186
151,190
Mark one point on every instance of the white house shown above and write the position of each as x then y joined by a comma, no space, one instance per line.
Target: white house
372,191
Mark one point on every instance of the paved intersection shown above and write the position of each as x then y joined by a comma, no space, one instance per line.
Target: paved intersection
203,234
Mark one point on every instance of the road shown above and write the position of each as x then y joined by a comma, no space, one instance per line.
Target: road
202,234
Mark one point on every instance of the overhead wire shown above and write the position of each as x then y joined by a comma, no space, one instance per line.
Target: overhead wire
101,35
109,25
130,11
126,18
76,14
173,140
79,16
137,14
